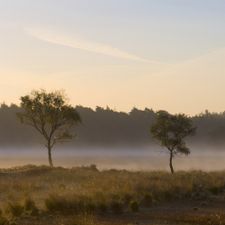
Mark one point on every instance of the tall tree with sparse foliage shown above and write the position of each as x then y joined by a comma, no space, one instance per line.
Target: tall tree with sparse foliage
51,115
170,131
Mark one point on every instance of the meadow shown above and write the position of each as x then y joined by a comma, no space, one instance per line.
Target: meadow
87,196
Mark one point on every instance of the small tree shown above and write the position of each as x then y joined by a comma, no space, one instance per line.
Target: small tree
171,131
50,115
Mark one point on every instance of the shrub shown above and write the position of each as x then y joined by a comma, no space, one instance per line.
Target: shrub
55,203
216,190
134,206
116,207
67,205
3,221
102,207
14,209
30,207
147,200
89,207
127,198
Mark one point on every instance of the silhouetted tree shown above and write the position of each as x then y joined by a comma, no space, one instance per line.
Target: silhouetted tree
51,115
171,130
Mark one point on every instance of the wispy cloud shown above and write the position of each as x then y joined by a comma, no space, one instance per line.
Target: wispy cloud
87,45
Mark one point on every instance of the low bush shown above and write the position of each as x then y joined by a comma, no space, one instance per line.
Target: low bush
3,221
216,190
134,206
116,207
14,209
30,207
74,204
55,203
147,200
102,207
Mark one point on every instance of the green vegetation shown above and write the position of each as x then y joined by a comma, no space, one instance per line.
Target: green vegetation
50,115
171,130
85,195
134,206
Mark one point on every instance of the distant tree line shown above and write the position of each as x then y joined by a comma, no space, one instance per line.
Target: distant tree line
105,127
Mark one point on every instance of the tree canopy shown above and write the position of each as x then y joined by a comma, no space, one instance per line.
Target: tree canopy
50,114
171,130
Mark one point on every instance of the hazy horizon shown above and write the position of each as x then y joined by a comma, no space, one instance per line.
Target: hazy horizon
143,158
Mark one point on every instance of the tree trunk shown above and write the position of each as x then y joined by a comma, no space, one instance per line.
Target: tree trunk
171,162
50,155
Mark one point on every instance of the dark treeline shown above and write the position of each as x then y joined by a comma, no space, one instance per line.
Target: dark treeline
106,127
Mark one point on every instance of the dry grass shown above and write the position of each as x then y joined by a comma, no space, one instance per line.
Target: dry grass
86,190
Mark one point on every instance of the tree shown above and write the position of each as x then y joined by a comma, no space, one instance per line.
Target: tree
51,115
171,130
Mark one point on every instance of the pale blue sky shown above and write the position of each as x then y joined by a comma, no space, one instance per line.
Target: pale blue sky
146,53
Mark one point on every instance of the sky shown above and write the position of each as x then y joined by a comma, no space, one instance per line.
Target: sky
159,54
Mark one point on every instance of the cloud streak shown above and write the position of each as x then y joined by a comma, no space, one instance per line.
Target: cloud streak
86,45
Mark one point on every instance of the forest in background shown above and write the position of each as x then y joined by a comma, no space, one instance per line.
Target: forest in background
104,127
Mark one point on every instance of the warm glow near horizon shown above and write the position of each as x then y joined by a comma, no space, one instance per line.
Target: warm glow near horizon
122,54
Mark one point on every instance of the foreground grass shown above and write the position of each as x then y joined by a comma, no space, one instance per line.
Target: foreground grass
85,196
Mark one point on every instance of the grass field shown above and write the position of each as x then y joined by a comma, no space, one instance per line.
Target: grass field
33,195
